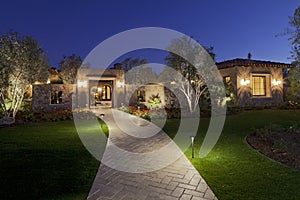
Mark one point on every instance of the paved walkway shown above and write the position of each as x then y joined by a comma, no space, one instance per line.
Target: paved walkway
179,180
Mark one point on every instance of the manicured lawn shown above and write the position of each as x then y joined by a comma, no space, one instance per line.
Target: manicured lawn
48,161
234,170
44,161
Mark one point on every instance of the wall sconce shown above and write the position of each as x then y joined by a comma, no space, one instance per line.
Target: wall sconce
245,82
120,84
48,81
276,82
82,84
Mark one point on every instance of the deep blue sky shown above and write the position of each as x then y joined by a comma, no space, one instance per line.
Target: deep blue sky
233,27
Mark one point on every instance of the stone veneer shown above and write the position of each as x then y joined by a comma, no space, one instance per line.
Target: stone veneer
274,94
41,96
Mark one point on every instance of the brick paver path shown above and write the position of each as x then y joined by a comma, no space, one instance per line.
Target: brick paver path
179,180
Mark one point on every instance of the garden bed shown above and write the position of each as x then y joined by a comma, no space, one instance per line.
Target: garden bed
279,144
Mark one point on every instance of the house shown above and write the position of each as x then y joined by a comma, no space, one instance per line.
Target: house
255,81
94,88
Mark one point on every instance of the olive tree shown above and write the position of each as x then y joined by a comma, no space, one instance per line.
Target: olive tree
22,62
185,77
69,67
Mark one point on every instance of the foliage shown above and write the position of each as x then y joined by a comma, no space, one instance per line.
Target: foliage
22,62
130,63
140,75
69,67
280,146
269,129
170,113
184,53
154,101
54,115
294,79
231,97
294,32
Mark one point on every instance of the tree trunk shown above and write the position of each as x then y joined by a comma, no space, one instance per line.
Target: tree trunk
6,120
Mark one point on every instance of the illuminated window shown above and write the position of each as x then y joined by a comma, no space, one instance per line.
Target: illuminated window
56,97
141,96
106,93
227,79
259,85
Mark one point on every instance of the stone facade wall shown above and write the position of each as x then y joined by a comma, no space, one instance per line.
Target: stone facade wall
232,73
41,96
274,93
91,76
148,91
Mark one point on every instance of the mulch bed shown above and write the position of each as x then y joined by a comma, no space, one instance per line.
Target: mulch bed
283,147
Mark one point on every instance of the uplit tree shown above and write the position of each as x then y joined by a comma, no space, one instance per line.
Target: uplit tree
69,67
22,62
294,74
188,80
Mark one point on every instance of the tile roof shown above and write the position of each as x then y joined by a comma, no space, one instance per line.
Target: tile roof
247,62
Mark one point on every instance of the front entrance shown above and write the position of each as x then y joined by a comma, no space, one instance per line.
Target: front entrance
101,93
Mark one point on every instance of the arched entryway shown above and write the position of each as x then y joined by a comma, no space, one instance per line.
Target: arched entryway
101,93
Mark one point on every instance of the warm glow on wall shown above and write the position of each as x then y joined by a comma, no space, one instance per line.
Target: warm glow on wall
120,84
276,82
245,82
82,83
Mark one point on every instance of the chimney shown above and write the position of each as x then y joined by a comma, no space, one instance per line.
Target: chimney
249,56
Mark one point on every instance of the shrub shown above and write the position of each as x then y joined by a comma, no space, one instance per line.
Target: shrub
269,129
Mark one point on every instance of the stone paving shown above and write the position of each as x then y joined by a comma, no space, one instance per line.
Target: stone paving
178,180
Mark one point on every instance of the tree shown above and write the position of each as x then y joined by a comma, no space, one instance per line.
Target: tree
69,67
294,74
129,63
22,62
189,81
294,79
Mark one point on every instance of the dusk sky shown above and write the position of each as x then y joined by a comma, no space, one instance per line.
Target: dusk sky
232,27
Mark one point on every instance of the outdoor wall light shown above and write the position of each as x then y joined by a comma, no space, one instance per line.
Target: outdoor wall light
48,81
101,115
245,82
193,139
82,84
276,82
120,84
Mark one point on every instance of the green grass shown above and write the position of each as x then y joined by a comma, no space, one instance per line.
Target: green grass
44,161
236,171
48,161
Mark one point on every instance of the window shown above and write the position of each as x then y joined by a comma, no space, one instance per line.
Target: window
56,97
106,93
259,85
227,79
103,94
140,96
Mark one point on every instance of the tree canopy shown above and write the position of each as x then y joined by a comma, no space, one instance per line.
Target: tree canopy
69,67
22,62
186,76
129,63
294,74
